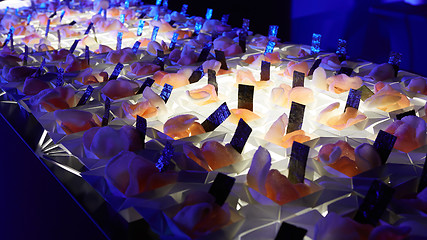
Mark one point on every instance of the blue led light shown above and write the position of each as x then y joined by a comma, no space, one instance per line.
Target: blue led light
165,3
136,47
140,27
158,2
184,9
225,18
29,17
164,162
341,49
198,27
209,13
62,15
270,47
315,43
272,31
173,41
119,40
245,24
122,18
395,58
127,4
154,34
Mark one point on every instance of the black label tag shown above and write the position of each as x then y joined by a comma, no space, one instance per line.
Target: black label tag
166,92
214,36
196,75
86,96
265,70
160,60
141,126
374,204
298,79
136,46
94,34
216,118
164,162
394,60
220,56
290,232
73,47
366,92
342,50
316,64
12,46
298,162
53,15
408,113
296,117
345,70
87,55
423,180
240,136
221,188
384,144
246,97
58,34
26,55
212,79
147,83
60,78
116,71
242,41
106,116
72,23
47,28
205,52
353,99
142,15
40,70
88,28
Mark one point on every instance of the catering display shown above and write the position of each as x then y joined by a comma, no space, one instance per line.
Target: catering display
210,131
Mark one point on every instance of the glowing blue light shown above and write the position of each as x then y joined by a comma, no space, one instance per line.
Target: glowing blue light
119,40
154,34
270,47
272,31
315,43
140,27
209,14
184,9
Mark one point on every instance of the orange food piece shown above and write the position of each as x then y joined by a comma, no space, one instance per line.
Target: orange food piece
72,120
143,109
216,155
295,66
297,136
279,188
120,88
182,126
207,92
242,113
144,68
346,166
